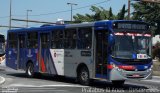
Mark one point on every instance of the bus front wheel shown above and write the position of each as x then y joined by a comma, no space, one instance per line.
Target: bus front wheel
30,70
83,76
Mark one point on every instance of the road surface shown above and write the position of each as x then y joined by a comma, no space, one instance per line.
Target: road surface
17,82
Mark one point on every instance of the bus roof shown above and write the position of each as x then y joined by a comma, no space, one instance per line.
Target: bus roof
51,27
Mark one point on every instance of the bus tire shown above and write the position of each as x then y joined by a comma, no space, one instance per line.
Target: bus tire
118,82
83,76
30,70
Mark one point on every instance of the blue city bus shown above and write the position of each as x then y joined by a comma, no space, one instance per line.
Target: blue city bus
112,50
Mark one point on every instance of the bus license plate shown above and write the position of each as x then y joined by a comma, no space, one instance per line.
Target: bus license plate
136,75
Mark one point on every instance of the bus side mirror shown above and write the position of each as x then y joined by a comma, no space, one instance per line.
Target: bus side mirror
111,40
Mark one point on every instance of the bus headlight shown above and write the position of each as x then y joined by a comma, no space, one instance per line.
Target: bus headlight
117,68
150,69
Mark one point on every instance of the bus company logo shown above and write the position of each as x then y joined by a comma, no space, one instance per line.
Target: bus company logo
55,54
29,53
14,50
10,52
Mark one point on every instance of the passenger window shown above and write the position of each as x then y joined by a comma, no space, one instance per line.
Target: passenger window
21,41
57,39
70,39
84,38
12,39
45,40
32,40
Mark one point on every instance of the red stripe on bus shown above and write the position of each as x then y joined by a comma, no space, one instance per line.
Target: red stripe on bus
122,67
42,64
43,68
127,67
109,66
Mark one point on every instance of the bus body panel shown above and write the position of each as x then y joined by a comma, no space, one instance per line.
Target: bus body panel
31,56
73,58
47,64
11,58
22,58
58,60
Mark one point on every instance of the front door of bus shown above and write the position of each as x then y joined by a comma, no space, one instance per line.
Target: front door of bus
44,51
21,51
101,53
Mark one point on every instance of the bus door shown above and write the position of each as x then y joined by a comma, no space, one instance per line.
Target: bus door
44,48
101,53
21,51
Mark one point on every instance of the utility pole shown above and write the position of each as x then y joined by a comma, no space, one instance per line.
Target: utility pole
129,8
10,15
27,17
71,8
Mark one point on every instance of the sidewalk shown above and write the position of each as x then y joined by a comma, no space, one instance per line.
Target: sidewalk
156,77
2,80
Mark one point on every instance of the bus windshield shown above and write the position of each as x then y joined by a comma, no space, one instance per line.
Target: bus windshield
132,46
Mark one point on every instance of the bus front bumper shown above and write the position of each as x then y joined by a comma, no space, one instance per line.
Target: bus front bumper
116,74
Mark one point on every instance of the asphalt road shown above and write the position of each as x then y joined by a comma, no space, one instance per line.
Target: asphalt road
17,82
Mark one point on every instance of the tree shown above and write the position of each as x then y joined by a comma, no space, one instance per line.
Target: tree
121,14
111,16
99,13
149,12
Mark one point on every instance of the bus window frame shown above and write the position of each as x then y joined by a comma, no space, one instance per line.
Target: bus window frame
29,40
48,42
56,41
13,40
86,47
73,36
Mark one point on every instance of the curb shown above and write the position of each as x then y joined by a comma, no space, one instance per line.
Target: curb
2,80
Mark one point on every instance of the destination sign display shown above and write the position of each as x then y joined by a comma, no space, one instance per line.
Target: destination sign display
130,26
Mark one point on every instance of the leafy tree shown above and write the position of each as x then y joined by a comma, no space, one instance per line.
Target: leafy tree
111,16
121,14
99,13
149,12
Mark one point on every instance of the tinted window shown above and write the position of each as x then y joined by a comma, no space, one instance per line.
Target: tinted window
84,38
12,40
32,40
45,42
57,39
70,39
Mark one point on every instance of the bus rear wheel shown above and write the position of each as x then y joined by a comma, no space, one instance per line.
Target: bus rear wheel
83,76
118,82
30,70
